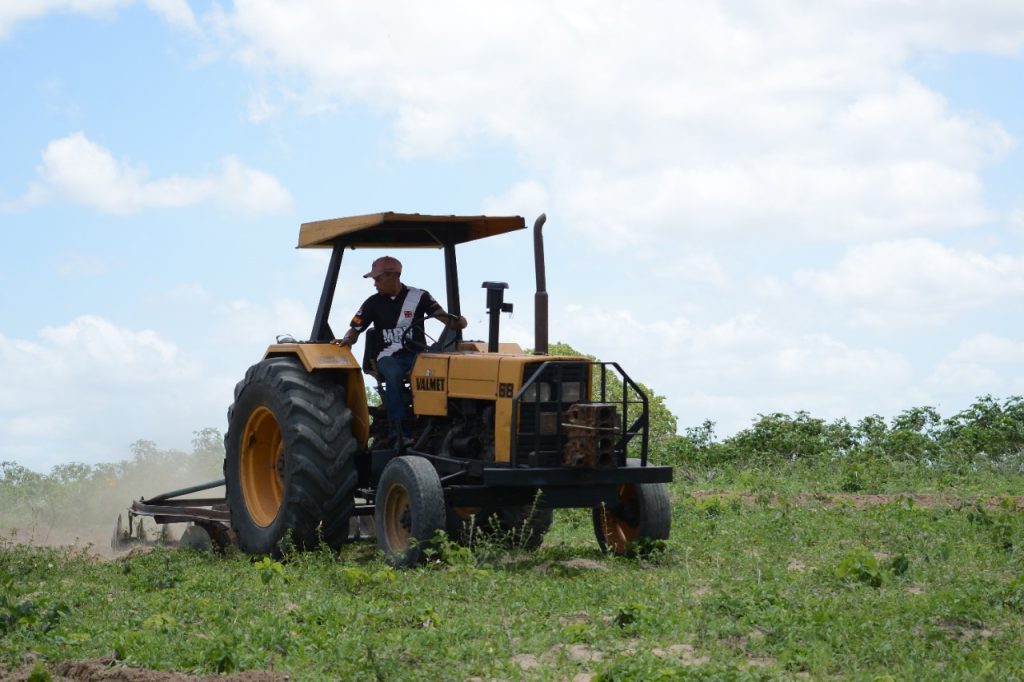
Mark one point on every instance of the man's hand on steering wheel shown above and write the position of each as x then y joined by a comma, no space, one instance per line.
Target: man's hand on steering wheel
451,322
455,323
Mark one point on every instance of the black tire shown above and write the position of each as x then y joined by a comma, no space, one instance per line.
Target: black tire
408,510
522,526
642,512
288,465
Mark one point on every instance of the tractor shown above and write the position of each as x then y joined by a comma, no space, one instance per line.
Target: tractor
499,437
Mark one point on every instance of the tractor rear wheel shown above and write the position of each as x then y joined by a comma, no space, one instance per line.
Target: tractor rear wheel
288,465
409,509
641,512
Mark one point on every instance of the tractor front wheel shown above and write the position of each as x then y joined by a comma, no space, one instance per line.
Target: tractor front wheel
641,512
408,510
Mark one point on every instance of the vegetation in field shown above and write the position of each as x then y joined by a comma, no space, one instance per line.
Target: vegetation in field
762,590
980,449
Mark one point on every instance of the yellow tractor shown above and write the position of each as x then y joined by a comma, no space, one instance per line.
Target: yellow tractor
499,437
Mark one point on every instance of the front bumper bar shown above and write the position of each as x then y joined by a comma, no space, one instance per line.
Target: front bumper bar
552,487
544,477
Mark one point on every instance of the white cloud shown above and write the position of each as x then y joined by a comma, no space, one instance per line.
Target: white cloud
528,198
247,190
650,118
257,325
78,264
260,107
731,370
97,347
914,282
77,169
235,333
85,390
700,267
1015,220
993,349
176,13
981,364
15,11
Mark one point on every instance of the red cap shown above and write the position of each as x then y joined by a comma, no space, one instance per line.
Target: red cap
384,264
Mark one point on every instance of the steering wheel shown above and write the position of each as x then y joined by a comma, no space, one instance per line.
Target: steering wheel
442,343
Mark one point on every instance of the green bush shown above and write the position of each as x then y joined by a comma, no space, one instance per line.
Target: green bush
779,437
987,428
985,439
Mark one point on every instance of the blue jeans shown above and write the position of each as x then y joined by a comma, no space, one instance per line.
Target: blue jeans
394,369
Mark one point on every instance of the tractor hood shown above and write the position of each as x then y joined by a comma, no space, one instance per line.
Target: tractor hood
407,230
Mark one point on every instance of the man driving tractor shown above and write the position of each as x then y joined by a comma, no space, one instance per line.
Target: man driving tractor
394,312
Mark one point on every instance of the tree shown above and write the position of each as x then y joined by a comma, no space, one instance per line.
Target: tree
662,422
986,427
208,452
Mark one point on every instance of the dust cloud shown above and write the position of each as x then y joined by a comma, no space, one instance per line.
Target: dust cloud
77,505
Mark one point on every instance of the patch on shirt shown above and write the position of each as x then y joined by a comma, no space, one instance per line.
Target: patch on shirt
408,313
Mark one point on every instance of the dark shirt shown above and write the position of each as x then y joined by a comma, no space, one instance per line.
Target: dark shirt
383,312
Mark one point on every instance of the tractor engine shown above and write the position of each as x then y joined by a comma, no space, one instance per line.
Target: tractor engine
470,431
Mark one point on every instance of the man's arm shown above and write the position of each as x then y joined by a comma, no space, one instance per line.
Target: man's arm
360,322
349,338
429,307
451,321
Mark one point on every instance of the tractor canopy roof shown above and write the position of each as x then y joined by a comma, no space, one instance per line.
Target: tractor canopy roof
403,230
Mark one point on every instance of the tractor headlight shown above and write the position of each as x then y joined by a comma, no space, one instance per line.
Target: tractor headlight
571,392
542,388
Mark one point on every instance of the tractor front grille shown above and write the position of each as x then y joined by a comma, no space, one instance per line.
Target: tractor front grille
590,436
578,414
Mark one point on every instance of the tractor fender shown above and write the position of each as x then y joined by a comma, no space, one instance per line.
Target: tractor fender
323,357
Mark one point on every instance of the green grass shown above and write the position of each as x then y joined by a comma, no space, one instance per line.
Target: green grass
761,587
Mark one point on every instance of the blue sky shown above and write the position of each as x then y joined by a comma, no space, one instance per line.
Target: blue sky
753,208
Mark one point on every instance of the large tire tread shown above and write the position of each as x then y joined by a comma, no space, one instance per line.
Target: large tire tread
319,448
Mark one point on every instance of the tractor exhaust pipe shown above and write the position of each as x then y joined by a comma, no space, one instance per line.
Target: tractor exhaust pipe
540,299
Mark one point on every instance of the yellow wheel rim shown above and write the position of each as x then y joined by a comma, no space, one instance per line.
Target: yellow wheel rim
618,532
397,518
260,465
